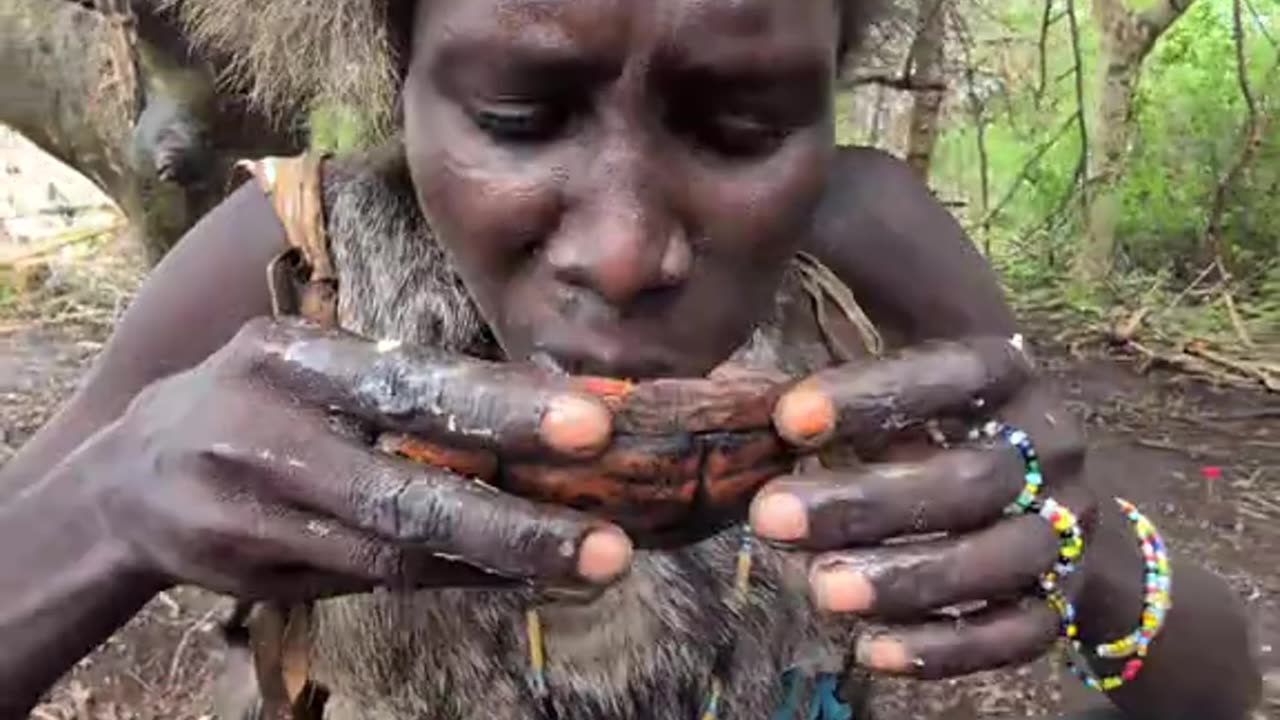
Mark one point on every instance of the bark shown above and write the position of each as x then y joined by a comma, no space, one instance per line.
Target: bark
926,73
77,82
70,86
1126,39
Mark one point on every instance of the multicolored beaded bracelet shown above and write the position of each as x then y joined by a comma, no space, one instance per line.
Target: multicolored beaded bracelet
1034,479
1157,585
1156,605
1064,522
1070,540
1070,637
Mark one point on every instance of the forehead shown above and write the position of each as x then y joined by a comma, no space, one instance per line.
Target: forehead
763,31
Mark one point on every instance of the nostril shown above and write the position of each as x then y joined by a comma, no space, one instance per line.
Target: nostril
677,260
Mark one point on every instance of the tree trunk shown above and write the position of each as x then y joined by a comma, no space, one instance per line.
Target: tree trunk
926,74
70,86
1126,39
87,87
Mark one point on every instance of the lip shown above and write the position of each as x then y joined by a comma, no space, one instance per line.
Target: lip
587,351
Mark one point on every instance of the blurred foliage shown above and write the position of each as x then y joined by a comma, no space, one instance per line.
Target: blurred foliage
337,129
1188,130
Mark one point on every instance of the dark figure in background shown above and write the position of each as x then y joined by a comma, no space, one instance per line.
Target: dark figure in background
620,188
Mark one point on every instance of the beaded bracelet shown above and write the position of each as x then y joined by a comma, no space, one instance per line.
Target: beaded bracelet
1033,478
1064,522
1156,605
1070,541
1156,599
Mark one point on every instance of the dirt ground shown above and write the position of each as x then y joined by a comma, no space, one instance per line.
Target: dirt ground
1151,436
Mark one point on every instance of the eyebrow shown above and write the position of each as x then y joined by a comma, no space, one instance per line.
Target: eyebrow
745,71
526,61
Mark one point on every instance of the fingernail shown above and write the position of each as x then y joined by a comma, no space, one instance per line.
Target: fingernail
843,590
884,654
779,516
604,555
805,416
576,426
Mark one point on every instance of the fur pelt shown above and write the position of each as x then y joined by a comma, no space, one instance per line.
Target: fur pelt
644,650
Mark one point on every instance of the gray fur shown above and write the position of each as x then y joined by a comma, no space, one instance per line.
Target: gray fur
643,650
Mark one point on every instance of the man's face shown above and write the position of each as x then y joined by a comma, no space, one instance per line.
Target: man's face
621,183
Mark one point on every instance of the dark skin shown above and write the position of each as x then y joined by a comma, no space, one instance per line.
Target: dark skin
617,237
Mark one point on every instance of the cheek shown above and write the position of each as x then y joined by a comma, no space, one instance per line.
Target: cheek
486,207
761,212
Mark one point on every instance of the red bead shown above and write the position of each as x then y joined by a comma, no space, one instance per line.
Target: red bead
1131,670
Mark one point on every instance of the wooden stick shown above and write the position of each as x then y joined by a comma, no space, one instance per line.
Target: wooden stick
58,242
1236,321
1198,349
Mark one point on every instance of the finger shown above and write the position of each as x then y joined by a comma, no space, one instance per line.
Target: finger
435,395
301,556
431,509
907,581
731,401
950,491
1001,637
662,490
864,402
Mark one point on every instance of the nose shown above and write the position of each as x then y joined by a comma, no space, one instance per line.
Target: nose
622,239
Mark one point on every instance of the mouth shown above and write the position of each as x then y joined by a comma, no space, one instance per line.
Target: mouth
607,354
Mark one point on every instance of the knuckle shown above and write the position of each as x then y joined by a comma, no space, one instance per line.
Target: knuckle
245,355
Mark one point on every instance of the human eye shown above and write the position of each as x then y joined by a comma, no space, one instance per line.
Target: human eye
742,135
730,132
520,120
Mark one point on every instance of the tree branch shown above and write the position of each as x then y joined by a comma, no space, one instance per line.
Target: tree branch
1160,16
905,83
1082,168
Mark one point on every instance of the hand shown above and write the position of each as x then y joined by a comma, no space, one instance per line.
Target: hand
236,477
865,525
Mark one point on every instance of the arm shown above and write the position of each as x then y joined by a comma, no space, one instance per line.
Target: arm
916,272
71,585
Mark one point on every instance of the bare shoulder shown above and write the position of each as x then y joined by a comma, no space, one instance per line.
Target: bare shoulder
868,185
906,257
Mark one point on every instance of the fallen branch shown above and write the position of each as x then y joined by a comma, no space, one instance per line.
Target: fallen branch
1125,331
1198,349
176,663
1177,300
1263,414
57,243
1236,321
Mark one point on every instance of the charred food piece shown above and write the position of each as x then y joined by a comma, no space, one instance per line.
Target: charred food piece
686,458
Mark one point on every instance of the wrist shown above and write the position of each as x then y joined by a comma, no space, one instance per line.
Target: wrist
1111,598
65,586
